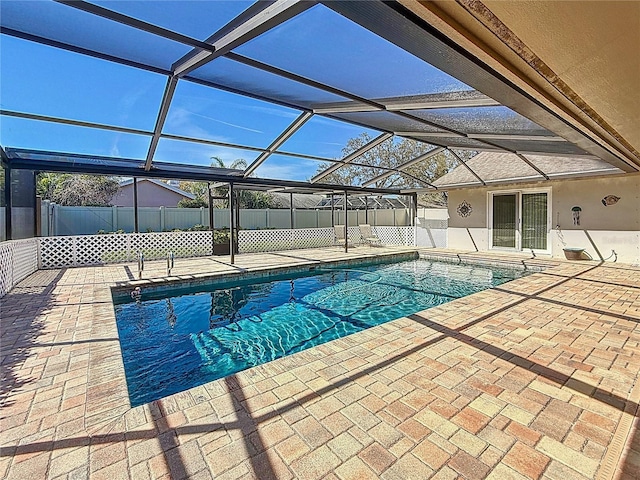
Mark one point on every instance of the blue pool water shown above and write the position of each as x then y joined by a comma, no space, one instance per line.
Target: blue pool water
175,343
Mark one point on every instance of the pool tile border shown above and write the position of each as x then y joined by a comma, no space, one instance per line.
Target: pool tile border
121,290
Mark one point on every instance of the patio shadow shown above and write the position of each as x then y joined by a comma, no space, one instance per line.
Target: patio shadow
23,306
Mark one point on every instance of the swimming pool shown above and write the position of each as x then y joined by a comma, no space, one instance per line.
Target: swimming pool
177,342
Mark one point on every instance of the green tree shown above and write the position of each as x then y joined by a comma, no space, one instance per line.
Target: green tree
391,154
195,203
77,190
246,198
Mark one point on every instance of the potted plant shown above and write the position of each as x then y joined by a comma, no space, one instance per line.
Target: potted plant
221,244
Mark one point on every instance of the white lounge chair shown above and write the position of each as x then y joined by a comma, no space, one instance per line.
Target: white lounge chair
338,232
368,236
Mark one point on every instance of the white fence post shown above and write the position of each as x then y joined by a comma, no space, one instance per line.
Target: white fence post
162,219
114,218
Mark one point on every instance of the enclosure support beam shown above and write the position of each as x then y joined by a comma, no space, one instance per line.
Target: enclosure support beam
237,223
169,90
283,137
366,209
291,210
414,197
257,19
8,203
346,225
211,216
352,156
464,164
333,219
401,167
532,165
232,243
136,226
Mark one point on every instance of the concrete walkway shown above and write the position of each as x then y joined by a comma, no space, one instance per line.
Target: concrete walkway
537,378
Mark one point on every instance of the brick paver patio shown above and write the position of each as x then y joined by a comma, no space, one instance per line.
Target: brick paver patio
537,378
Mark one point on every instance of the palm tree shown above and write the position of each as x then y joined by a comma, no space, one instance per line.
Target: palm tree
246,198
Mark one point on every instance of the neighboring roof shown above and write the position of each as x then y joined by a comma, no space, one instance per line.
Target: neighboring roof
501,167
371,202
299,201
159,183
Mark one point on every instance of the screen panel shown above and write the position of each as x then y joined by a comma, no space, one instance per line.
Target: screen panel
53,82
559,148
196,19
492,120
55,137
286,167
324,137
69,25
325,46
387,121
233,74
212,114
191,153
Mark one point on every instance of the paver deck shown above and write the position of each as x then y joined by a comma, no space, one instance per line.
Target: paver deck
537,378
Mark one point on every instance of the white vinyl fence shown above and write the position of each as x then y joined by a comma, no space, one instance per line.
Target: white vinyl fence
18,260
59,220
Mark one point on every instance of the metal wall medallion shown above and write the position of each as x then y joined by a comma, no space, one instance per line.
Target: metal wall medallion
576,215
610,200
464,209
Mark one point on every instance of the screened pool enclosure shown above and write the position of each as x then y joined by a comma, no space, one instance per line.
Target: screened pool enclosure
156,89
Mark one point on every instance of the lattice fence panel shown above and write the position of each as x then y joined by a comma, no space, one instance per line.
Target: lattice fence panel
354,235
25,259
312,237
98,249
6,264
264,240
191,244
409,236
285,239
154,246
74,251
57,252
113,248
18,260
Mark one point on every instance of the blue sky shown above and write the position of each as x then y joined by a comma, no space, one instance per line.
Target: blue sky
87,89
44,80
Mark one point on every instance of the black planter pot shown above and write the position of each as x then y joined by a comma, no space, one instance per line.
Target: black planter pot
221,249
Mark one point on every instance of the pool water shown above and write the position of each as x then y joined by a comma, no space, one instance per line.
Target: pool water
176,343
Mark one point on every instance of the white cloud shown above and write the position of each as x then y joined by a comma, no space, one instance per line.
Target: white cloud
297,170
227,123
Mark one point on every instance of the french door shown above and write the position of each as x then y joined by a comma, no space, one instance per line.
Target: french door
519,220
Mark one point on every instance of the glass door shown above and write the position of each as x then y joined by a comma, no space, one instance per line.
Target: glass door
534,221
520,220
504,220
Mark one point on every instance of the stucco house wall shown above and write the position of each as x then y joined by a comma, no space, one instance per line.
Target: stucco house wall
602,229
149,195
